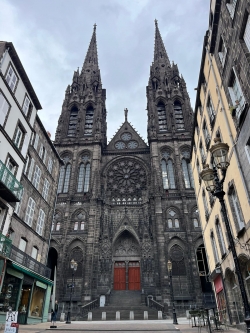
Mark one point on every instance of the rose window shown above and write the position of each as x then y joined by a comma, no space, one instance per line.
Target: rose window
126,179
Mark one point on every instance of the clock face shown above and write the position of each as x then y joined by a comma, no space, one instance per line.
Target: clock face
120,145
132,144
126,136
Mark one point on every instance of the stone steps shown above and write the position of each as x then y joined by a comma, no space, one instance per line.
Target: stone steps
124,301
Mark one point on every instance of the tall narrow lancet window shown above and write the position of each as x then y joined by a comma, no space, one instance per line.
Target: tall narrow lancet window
167,171
187,170
179,121
89,120
73,121
162,117
64,176
84,174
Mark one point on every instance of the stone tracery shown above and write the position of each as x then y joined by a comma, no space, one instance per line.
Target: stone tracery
126,180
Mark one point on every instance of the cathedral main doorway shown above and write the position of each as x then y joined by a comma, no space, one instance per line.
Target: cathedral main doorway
126,258
127,275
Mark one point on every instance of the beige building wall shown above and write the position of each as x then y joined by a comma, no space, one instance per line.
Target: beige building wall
219,256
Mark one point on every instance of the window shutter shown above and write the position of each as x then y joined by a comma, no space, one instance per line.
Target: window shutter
4,108
36,141
25,145
34,252
26,165
246,36
45,155
26,105
31,169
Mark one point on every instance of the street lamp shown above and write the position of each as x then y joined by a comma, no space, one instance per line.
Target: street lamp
213,184
73,266
172,292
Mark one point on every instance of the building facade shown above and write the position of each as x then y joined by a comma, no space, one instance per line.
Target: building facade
221,110
28,179
127,207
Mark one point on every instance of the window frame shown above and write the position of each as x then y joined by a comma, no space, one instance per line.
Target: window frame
40,222
26,107
20,142
9,82
37,177
30,210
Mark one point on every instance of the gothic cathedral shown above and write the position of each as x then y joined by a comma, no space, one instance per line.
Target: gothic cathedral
124,209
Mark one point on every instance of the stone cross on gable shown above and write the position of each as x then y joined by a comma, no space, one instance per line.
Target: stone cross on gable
126,114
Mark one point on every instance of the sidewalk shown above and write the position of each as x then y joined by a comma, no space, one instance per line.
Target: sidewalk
118,326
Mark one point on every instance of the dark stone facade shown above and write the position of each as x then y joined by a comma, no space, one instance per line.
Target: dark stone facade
124,215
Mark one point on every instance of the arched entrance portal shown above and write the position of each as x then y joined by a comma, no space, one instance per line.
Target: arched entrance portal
126,258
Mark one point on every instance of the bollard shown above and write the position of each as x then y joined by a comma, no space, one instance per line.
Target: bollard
117,315
145,315
131,315
159,314
103,315
89,316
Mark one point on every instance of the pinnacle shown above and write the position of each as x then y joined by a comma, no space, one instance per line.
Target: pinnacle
160,54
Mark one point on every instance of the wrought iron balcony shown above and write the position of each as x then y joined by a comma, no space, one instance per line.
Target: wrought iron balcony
27,261
5,246
10,188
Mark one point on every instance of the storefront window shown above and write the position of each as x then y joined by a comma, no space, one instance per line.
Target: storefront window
36,307
9,294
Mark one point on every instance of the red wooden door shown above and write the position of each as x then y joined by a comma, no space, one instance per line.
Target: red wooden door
134,278
119,278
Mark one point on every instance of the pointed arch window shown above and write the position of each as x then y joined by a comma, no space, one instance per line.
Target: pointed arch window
173,219
187,170
89,120
73,121
179,121
167,171
179,273
84,175
162,117
195,218
64,176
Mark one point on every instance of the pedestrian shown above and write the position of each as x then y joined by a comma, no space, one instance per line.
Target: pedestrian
53,317
56,308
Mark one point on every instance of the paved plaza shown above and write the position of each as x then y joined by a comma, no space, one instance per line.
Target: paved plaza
119,326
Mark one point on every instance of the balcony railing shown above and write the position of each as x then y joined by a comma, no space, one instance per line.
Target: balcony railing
11,189
5,245
27,261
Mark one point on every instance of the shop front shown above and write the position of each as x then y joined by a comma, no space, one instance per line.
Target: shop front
26,292
220,295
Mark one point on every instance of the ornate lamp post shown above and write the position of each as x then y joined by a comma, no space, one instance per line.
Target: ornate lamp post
172,292
213,184
73,266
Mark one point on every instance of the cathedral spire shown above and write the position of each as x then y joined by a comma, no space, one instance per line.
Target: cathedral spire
91,59
160,54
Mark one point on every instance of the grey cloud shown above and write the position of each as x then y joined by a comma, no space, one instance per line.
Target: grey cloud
52,39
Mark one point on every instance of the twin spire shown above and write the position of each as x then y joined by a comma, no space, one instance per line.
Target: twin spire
91,59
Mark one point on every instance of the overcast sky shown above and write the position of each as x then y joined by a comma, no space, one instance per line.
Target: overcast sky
52,38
